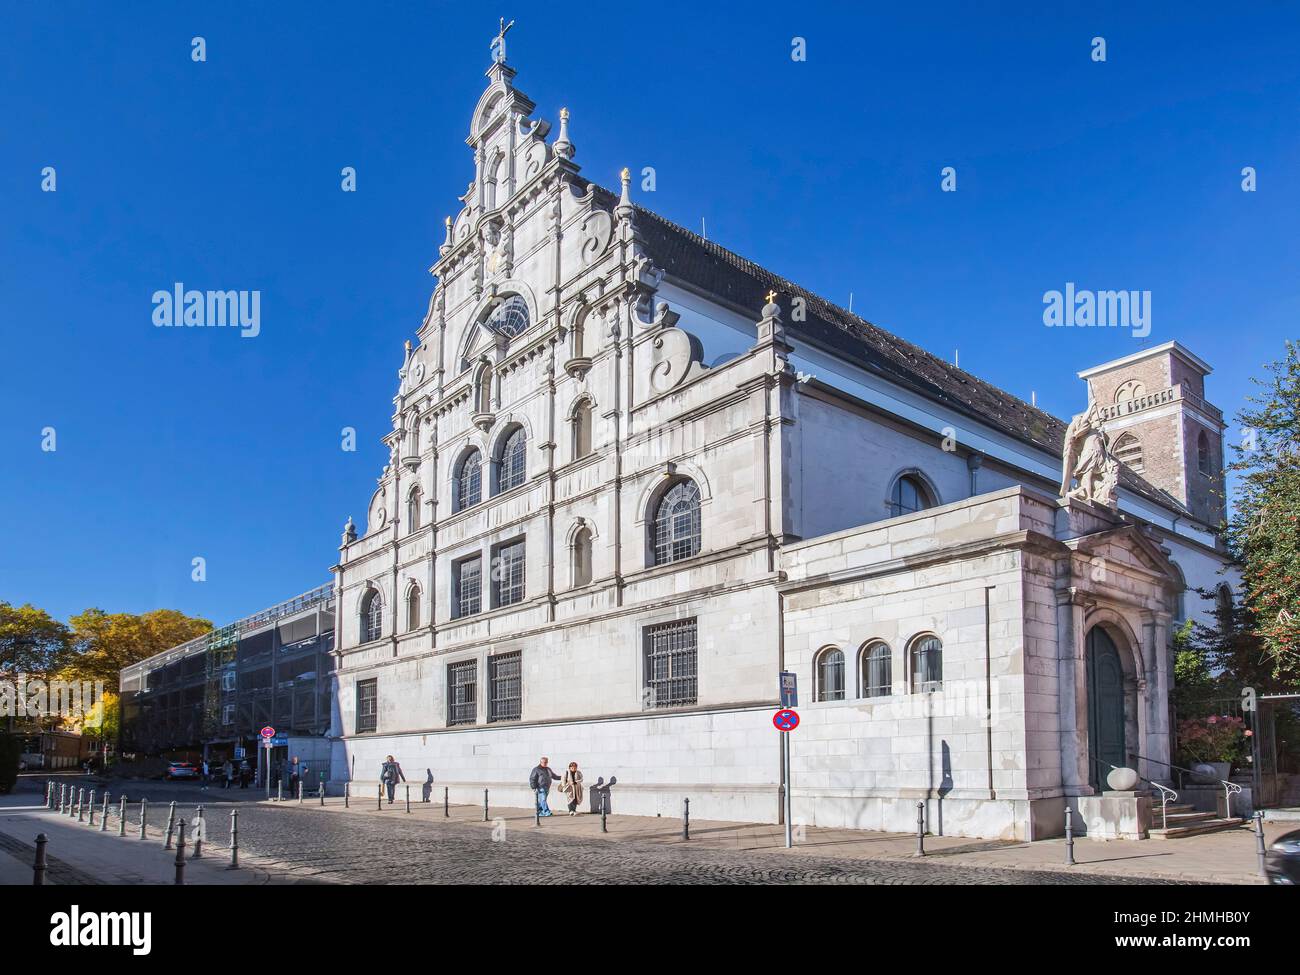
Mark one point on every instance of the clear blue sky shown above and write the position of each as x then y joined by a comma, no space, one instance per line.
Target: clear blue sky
181,443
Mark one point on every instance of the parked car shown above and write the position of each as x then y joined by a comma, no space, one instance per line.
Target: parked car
1282,859
180,770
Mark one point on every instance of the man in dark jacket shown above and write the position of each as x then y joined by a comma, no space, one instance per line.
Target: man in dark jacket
389,774
539,780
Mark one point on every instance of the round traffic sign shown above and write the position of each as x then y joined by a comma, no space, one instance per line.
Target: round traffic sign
268,732
785,720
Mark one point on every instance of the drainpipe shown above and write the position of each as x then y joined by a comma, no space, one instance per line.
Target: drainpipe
974,461
988,682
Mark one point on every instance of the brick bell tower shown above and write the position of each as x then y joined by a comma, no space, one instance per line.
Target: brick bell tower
1160,424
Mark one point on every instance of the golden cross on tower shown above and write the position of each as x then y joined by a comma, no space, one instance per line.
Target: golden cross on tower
771,297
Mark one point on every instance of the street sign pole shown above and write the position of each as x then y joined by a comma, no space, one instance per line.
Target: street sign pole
789,805
267,763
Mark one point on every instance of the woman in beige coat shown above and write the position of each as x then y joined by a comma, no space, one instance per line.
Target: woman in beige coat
572,787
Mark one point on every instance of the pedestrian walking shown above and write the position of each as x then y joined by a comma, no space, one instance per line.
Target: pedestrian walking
204,773
227,773
389,774
428,787
245,773
572,787
539,780
294,777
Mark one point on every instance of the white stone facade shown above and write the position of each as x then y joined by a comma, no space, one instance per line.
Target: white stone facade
794,450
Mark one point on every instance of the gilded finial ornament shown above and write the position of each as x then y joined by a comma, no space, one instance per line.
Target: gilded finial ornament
625,175
771,297
564,115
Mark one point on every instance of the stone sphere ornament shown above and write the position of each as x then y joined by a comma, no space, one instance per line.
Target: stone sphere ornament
1122,780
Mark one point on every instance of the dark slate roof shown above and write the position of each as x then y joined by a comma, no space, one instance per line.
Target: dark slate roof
716,270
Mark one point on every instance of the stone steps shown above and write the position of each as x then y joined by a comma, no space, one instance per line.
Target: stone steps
1193,825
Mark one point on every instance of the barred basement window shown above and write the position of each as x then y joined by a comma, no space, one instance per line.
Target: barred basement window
670,664
467,587
877,671
505,687
830,675
367,705
927,665
508,573
462,696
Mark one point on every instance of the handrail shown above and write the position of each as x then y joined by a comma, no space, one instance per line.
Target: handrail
1230,789
1167,795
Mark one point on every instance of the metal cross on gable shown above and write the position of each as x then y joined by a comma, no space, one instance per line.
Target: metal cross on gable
499,42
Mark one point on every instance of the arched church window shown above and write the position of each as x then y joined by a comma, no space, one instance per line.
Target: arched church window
469,482
1204,463
582,557
510,317
1128,450
910,494
372,616
413,504
413,607
675,528
513,462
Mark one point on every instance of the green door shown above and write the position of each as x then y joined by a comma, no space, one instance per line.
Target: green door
1105,708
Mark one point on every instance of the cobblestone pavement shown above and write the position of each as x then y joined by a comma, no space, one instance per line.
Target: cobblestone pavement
363,849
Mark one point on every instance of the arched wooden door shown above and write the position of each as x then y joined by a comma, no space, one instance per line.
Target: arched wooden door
1105,708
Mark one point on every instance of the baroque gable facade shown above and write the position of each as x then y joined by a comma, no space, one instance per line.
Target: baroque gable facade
621,499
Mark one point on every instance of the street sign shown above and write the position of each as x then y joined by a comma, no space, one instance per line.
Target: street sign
785,720
789,689
268,732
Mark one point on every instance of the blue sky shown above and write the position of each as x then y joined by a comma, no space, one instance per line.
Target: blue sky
173,444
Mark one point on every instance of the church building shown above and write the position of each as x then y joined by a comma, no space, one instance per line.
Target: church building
634,477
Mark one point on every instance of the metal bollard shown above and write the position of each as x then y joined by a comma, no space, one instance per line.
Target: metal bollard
1259,842
347,795
103,817
686,819
180,853
321,793
1069,837
63,791
300,792
81,805
49,794
121,817
90,807
604,811
537,812
171,825
234,840
279,790
446,807
144,814
379,797
200,827
38,868
485,805
408,798
920,829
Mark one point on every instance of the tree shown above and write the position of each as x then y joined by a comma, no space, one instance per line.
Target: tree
31,641
104,643
1264,533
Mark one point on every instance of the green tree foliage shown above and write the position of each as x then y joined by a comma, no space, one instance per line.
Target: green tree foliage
1264,533
104,643
31,641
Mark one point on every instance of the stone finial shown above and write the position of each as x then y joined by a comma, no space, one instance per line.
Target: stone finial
771,330
349,532
624,208
446,244
563,147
